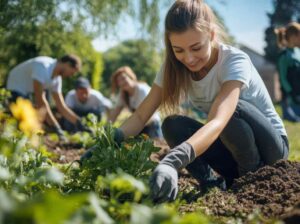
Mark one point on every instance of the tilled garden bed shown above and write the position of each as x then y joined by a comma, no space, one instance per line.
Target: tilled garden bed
272,191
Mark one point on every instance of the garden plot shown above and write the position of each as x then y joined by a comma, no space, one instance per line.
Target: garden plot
270,193
272,190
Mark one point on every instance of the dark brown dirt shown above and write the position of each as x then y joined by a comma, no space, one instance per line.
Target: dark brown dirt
273,190
68,152
64,152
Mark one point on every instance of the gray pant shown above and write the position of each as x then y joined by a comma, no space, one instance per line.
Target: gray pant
248,141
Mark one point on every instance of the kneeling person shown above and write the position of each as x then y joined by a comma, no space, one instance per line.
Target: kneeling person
84,100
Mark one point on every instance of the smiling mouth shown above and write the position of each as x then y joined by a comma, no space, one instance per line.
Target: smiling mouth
192,66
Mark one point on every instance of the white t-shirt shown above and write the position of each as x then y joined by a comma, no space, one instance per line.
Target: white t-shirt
140,93
232,64
21,77
95,101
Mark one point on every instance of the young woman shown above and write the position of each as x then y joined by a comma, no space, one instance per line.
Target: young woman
243,131
288,38
131,93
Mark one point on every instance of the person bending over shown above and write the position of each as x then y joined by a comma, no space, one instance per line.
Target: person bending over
32,78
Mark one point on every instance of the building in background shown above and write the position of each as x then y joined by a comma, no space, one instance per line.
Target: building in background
267,70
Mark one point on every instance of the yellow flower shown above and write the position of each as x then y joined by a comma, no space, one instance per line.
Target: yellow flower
127,146
27,116
145,136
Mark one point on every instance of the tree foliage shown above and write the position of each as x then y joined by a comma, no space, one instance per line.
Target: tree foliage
29,28
96,78
285,11
137,54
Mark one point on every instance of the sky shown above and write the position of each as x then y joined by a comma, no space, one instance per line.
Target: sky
245,19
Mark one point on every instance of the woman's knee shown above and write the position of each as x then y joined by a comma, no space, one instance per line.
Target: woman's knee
169,123
170,127
177,128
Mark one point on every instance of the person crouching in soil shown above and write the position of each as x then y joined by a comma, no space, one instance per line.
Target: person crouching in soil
84,100
243,131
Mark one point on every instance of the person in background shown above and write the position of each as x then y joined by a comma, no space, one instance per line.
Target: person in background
131,93
32,78
84,100
288,39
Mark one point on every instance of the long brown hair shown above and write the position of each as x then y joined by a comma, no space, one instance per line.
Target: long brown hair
114,85
182,15
284,33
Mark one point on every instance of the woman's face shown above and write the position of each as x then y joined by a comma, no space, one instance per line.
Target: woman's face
192,48
124,82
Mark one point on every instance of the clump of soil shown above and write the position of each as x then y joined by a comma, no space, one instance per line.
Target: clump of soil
273,190
64,152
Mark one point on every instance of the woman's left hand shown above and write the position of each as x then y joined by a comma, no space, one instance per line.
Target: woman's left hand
164,183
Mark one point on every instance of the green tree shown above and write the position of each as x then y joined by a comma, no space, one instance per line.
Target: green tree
137,54
96,78
285,11
29,28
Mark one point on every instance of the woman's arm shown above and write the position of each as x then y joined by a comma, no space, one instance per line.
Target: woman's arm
136,122
221,111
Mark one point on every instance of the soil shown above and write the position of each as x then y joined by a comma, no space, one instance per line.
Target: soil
274,191
68,152
64,152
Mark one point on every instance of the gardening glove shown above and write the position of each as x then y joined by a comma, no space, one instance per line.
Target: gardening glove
81,127
164,180
118,134
88,154
118,138
60,134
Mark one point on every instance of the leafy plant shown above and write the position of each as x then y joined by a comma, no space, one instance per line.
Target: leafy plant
121,186
25,167
132,157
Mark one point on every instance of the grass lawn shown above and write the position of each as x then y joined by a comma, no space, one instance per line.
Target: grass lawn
293,130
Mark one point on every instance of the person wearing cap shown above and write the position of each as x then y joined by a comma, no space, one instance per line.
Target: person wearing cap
32,78
84,100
